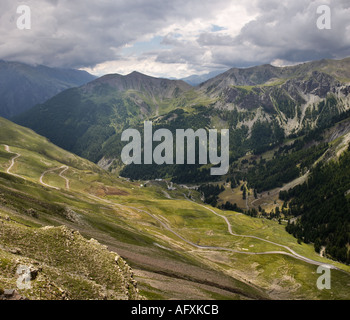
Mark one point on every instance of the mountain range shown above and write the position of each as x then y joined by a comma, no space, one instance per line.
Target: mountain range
22,86
288,101
195,80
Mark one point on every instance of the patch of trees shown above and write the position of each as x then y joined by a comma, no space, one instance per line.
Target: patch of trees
284,167
252,213
231,207
211,193
196,173
265,136
323,208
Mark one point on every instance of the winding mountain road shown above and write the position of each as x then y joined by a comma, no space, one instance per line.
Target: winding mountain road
17,155
291,252
64,169
7,148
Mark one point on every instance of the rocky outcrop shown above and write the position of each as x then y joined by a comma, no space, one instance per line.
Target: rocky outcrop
11,294
55,263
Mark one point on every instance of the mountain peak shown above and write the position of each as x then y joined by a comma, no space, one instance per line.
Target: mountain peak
136,73
140,82
139,75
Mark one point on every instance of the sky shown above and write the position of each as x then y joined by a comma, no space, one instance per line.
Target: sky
172,39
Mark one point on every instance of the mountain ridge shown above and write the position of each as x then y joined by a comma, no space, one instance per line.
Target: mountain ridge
22,86
195,80
268,72
138,81
283,101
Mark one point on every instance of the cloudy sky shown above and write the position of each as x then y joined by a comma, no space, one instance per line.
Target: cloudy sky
175,38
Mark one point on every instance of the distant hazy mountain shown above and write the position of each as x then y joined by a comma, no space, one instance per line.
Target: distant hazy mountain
195,80
22,86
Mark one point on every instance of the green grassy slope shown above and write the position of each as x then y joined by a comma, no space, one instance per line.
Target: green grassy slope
176,247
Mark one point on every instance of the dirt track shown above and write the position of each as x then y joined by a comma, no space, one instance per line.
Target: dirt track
7,148
65,168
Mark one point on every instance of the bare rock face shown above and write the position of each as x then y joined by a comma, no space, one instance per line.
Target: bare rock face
105,163
11,294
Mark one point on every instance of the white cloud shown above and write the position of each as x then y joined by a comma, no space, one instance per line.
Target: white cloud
147,66
172,38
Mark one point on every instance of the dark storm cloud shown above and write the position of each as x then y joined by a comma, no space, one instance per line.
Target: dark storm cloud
288,31
284,30
83,33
